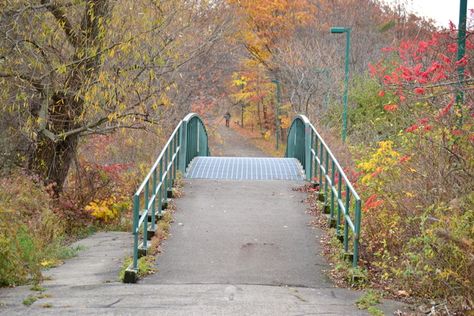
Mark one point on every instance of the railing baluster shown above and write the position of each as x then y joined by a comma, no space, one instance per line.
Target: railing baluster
321,163
145,222
153,208
346,224
175,162
314,170
356,233
136,215
326,174
333,172
160,191
339,198
165,182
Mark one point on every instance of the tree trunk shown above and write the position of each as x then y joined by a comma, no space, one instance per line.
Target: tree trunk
52,157
51,160
265,117
259,115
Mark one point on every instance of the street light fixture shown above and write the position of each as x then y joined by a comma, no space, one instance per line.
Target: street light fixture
339,30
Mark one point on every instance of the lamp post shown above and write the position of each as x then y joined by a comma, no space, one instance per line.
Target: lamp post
461,51
277,112
339,30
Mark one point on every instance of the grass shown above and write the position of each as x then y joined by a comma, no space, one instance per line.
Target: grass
369,299
355,277
47,305
43,295
374,311
37,288
56,253
146,266
84,232
30,299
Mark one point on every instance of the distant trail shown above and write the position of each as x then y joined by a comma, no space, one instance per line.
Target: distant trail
231,144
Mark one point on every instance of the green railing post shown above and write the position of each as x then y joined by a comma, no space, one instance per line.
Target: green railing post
321,160
169,168
307,152
339,194
326,182
316,150
160,193
355,260
136,213
333,172
346,224
153,208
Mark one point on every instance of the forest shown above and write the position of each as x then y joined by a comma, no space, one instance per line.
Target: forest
90,91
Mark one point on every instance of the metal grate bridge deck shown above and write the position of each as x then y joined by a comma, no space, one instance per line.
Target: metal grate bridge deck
245,168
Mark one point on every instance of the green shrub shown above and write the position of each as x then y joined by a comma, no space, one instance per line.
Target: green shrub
370,298
368,120
31,234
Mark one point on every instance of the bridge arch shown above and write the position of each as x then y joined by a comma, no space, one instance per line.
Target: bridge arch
297,143
194,140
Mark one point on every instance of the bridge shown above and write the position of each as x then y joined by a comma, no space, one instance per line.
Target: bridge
242,209
242,242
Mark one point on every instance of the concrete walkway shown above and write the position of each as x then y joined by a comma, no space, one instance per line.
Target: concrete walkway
241,232
236,248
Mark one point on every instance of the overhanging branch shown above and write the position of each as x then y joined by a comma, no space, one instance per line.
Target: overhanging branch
63,21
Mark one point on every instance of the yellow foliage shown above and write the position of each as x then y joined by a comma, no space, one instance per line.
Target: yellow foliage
267,135
384,158
106,210
285,121
49,263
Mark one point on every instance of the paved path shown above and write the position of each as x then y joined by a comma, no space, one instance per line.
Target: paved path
230,144
246,232
236,248
71,286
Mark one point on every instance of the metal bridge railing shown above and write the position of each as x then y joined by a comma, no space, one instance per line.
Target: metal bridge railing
188,140
340,198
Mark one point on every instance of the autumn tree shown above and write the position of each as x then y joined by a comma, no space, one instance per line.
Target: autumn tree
72,69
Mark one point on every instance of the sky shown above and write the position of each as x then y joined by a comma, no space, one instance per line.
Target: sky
442,11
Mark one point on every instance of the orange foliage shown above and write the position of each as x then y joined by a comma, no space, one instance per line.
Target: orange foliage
270,21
